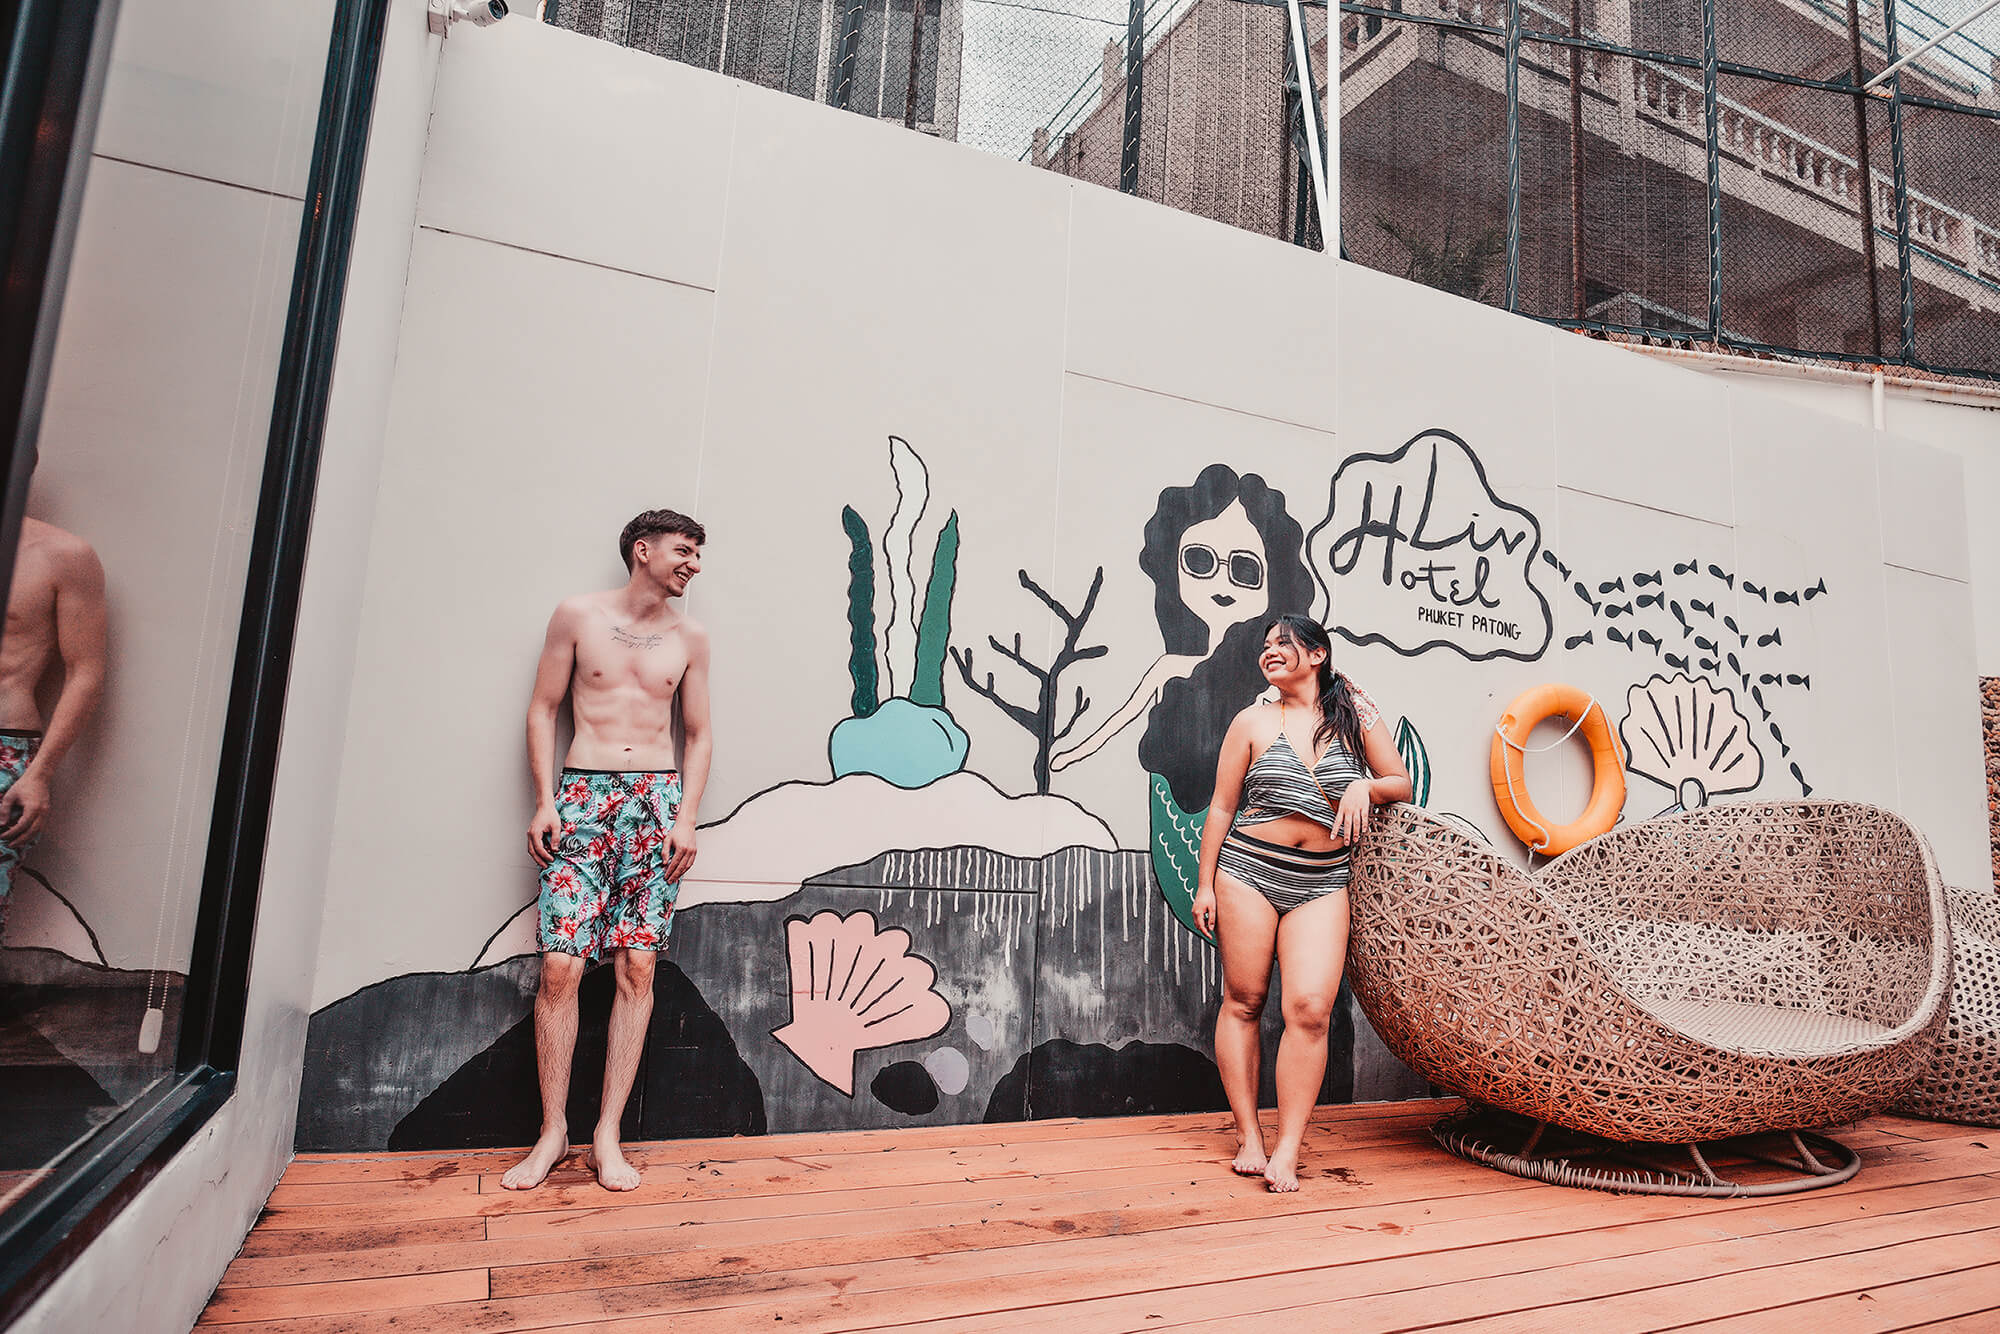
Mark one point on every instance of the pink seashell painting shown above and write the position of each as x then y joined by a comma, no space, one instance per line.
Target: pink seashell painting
855,987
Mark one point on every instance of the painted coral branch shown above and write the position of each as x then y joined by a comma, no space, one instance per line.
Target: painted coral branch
963,658
1040,721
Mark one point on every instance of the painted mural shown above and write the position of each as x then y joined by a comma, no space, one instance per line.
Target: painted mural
1224,557
1686,734
1456,562
855,987
946,925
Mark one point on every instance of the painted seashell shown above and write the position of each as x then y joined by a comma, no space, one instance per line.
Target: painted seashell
855,988
1687,733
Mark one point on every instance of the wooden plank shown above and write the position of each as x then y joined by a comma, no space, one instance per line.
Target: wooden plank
572,1187
688,1153
1420,1288
1976,1322
1891,1306
587,1210
878,1168
751,1247
1110,1237
1911,1128
954,1223
367,1249
882,1166
264,1241
285,1196
319,1168
313,1299
1435,1173
1071,1227
1946,1299
1765,1288
1018,1290
1026,1245
787,1180
1178,1203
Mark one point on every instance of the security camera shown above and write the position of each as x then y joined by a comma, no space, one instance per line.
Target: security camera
481,13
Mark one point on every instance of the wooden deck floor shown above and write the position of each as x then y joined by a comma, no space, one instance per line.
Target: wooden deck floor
1111,1225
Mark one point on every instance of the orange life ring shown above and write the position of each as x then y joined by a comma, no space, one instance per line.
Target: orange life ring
1510,783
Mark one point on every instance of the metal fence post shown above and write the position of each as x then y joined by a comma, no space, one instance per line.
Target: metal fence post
849,46
1135,75
1906,290
1867,180
1513,295
1298,63
1712,119
1576,153
916,63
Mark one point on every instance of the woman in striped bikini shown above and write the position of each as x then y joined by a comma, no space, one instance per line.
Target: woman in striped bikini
1294,787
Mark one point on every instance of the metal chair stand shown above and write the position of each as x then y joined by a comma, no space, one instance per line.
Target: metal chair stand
1776,1163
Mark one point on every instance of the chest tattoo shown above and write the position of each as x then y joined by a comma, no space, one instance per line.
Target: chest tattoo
629,640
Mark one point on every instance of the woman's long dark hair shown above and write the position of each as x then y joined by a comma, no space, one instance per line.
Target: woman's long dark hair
1338,719
1186,727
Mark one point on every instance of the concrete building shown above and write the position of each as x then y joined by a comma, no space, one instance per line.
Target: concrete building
1424,165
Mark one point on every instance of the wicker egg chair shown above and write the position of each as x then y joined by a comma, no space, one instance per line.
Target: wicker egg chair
1962,1080
1733,971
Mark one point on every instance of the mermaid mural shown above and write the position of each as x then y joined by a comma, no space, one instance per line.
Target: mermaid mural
1224,558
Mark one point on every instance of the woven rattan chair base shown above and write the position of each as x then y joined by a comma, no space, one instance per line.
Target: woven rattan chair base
1781,1163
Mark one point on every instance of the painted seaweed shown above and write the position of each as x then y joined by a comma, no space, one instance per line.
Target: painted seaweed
934,630
860,611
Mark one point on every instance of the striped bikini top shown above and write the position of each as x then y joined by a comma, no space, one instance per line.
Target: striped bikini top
1277,783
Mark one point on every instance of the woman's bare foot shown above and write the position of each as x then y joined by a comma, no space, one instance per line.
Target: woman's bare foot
1282,1172
607,1160
1250,1159
531,1171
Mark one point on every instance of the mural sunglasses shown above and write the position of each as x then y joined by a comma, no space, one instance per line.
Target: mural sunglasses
1246,568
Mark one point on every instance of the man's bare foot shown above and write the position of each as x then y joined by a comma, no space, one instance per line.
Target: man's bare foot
608,1161
1250,1159
531,1171
1282,1172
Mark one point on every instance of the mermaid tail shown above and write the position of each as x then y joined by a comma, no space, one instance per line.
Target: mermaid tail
1176,849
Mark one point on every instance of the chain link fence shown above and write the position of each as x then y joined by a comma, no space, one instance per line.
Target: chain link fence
1694,170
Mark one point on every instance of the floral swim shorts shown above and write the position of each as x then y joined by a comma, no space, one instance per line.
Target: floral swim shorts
607,888
16,749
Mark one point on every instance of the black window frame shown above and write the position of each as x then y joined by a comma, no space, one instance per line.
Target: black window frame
53,82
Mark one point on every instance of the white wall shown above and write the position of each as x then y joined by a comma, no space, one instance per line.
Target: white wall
246,69
732,316
1970,431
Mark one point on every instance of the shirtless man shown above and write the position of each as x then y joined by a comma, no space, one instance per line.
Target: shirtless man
614,832
55,613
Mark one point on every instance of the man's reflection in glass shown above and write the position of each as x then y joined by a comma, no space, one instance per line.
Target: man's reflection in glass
55,614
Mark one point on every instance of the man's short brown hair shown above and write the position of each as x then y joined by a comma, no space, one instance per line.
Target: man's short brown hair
657,523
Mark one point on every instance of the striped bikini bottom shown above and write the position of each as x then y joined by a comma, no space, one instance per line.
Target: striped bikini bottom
1286,876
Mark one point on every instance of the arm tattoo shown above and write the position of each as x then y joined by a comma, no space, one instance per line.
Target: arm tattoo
619,634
